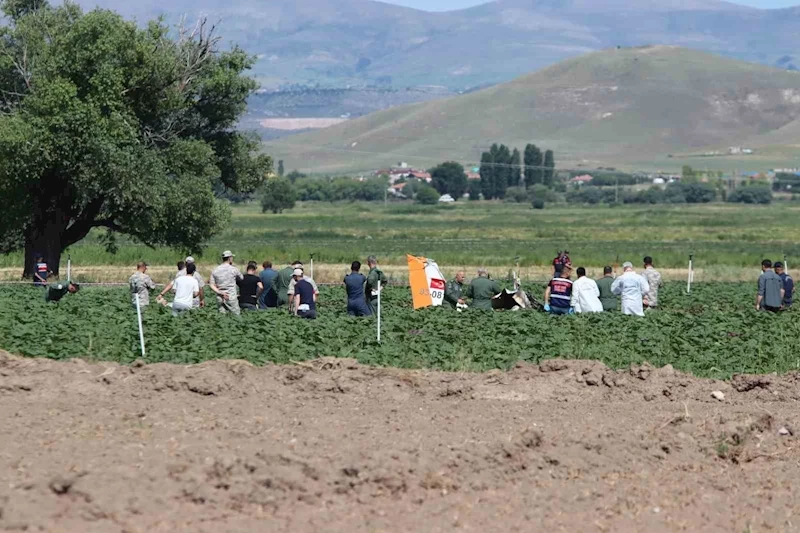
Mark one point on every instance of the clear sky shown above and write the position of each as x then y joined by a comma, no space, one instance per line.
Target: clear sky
444,5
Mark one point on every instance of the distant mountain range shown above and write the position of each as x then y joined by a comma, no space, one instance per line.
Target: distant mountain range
633,107
361,42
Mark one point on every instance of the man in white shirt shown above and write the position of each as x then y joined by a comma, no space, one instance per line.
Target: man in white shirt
585,294
186,290
632,287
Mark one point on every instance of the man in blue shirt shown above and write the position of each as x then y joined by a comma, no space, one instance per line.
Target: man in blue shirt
788,285
40,272
305,297
269,297
354,285
558,295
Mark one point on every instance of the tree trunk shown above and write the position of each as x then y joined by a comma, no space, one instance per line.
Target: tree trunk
47,243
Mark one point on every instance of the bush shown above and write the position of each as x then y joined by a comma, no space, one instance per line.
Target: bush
538,203
517,195
427,195
751,195
277,194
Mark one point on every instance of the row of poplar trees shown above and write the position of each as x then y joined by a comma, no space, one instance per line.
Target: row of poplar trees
502,168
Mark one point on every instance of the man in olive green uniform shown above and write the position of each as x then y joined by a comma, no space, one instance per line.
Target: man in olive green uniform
482,290
609,300
281,282
375,280
223,283
454,290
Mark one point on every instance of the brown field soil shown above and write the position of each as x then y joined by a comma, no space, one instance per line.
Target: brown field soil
334,273
333,446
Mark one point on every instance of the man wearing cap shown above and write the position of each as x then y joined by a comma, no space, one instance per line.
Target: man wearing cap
304,300
770,289
607,297
655,282
788,285
280,284
199,301
223,283
633,288
141,284
376,280
293,282
482,290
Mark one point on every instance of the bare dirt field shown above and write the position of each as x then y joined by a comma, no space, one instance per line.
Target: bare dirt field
334,446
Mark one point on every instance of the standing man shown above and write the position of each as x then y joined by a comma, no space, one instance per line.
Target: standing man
770,289
607,297
180,272
376,280
633,288
558,294
141,284
250,288
655,282
354,285
454,289
482,290
187,289
788,285
585,294
40,272
268,298
290,289
223,283
280,284
305,298
197,301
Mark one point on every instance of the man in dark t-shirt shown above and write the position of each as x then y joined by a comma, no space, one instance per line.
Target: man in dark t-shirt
250,288
305,297
354,285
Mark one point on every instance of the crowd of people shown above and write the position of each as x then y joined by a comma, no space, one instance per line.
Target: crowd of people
289,288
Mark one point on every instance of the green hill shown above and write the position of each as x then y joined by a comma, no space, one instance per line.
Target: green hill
620,107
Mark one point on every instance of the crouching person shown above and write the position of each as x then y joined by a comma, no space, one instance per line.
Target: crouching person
305,297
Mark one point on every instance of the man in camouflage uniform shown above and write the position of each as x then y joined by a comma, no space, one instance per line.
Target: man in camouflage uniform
223,283
141,284
454,289
482,290
653,278
200,301
375,280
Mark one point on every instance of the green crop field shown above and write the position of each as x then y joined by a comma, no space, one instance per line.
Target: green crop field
483,233
713,332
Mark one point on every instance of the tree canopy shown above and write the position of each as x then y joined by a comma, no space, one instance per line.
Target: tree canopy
449,178
108,125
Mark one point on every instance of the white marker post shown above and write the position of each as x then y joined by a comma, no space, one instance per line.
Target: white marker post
69,268
312,266
690,277
785,264
380,289
139,318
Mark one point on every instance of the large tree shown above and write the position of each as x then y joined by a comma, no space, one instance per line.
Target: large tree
516,166
502,171
449,178
107,125
549,168
487,175
534,161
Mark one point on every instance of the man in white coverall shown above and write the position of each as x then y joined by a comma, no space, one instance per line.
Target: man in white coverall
585,294
632,287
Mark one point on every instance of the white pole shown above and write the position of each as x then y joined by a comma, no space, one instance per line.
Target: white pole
312,266
69,268
139,318
379,311
785,264
690,276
